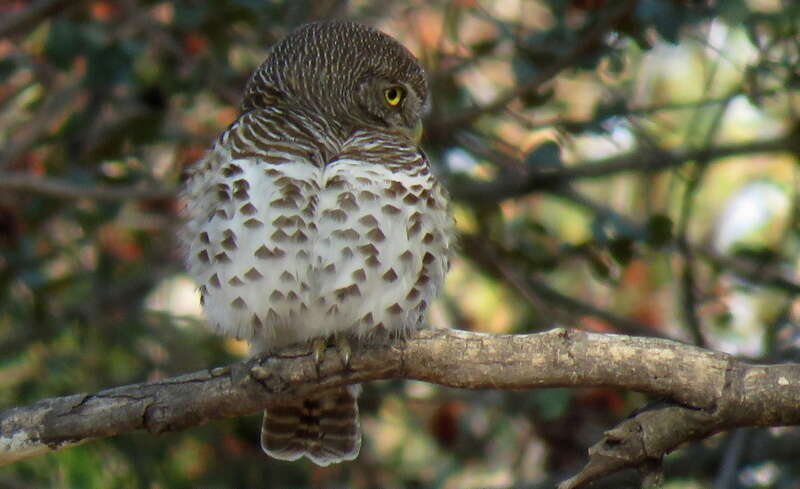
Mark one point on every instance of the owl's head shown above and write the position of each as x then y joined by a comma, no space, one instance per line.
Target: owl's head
352,74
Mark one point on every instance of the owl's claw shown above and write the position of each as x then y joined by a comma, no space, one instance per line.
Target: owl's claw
345,349
318,347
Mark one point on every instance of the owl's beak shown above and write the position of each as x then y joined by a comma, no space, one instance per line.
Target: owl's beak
417,132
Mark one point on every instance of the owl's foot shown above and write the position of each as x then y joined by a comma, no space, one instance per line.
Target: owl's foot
342,345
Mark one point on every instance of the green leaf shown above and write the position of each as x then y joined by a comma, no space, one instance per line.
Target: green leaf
523,69
484,47
621,250
598,228
724,319
659,230
537,228
665,17
7,67
64,43
616,107
599,267
552,404
537,97
191,15
109,64
546,155
756,253
254,5
616,63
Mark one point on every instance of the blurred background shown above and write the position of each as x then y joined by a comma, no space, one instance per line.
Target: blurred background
623,166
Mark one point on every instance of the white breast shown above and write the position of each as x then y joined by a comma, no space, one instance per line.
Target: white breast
291,251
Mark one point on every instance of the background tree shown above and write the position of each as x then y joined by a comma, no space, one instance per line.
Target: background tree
627,166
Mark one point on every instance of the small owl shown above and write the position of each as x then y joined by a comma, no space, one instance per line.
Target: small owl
316,215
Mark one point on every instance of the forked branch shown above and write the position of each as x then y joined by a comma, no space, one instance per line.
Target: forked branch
711,391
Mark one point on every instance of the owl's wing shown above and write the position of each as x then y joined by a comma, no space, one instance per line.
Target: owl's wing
247,206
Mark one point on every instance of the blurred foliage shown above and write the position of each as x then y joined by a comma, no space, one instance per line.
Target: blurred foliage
624,166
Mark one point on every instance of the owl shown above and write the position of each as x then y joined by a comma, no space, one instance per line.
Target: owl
315,215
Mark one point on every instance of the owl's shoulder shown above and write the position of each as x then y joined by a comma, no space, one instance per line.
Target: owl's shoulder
270,135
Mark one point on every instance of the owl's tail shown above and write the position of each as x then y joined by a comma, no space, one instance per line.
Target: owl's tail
325,428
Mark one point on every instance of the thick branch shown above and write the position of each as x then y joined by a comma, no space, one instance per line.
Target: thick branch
714,391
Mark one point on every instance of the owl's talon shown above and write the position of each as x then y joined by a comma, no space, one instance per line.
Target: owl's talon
318,347
345,349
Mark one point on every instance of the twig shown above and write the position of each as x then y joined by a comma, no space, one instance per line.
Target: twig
688,277
65,190
589,41
765,275
622,110
26,20
646,162
484,192
752,271
556,182
730,461
760,447
57,101
541,294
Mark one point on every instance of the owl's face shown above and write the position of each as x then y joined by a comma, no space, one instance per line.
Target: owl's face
351,74
391,102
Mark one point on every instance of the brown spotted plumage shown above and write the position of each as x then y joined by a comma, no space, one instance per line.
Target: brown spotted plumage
316,214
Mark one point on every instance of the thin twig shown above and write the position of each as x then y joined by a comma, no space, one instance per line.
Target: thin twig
735,446
688,277
646,162
542,295
20,23
55,103
622,110
589,42
765,275
65,190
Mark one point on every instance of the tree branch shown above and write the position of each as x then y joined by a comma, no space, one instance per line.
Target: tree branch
646,161
714,391
590,41
764,274
486,192
24,21
539,293
61,189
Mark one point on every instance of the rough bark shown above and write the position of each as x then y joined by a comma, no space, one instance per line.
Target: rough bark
709,391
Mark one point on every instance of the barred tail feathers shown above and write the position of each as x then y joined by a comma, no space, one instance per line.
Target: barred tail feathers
325,428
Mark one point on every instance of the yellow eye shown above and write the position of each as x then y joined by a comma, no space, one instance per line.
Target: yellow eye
393,96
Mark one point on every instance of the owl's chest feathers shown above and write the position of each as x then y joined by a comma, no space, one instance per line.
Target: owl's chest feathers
285,250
